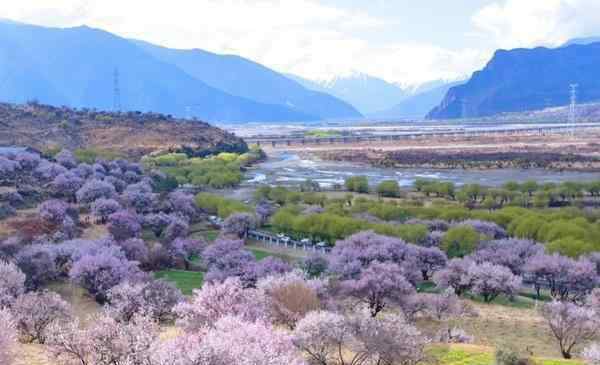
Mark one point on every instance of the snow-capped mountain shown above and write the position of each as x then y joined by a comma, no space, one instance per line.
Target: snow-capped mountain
367,93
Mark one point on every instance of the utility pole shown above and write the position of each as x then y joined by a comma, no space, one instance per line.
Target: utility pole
116,91
573,107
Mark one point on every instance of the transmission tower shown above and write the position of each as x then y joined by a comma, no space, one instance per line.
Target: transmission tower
116,91
573,108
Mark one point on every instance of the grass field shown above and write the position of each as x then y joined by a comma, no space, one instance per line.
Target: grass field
477,355
260,254
186,281
522,328
208,235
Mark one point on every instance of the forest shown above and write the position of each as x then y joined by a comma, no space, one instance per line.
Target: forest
111,262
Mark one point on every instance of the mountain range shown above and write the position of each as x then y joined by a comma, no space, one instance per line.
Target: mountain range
581,41
526,79
367,93
419,104
76,67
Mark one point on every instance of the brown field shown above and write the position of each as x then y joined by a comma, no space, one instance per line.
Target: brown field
556,151
579,143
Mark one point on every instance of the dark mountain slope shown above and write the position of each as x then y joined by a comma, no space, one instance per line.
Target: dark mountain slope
75,67
525,79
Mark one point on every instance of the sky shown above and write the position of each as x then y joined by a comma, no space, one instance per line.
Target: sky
402,41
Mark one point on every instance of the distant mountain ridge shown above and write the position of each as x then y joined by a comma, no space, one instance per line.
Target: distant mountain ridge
581,41
525,79
75,67
241,77
419,104
367,93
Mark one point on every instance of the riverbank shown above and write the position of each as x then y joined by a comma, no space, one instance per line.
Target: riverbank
292,168
557,152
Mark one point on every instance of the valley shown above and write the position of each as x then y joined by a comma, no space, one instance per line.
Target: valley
310,182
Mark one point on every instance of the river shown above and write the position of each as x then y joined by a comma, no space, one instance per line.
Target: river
288,169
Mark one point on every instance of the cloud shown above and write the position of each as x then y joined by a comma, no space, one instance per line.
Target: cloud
519,23
304,37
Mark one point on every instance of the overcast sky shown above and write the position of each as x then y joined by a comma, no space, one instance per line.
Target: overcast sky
403,41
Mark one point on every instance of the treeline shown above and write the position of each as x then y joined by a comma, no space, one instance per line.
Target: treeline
329,226
221,171
219,205
527,194
571,231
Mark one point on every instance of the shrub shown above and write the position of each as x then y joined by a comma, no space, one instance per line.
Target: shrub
460,241
155,298
239,224
103,208
218,205
570,325
292,297
323,337
94,190
101,271
218,300
124,225
490,281
66,158
177,228
53,211
315,265
66,185
388,188
8,340
38,264
359,184
104,341
507,355
12,283
34,312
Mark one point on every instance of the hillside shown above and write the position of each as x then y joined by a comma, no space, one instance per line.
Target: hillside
525,79
75,67
131,134
241,77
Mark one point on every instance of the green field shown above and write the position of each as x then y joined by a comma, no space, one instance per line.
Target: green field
260,254
186,281
477,355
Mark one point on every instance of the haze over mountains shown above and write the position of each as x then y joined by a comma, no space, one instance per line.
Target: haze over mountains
367,93
75,67
419,104
377,98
